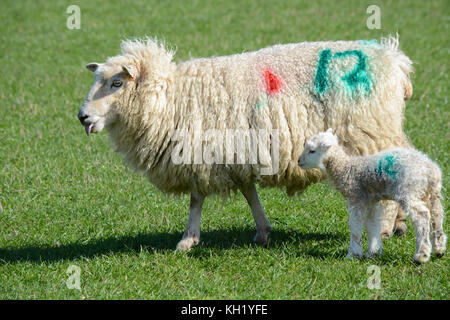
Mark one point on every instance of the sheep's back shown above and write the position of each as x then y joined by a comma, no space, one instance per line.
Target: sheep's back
296,90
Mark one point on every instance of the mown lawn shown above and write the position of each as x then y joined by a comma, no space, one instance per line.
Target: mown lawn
66,199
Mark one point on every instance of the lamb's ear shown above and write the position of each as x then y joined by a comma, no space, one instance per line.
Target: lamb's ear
92,66
337,139
130,71
326,145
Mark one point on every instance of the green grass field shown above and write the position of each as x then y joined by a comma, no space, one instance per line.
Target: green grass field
66,199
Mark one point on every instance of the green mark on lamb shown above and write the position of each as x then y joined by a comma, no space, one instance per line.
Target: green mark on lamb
385,165
356,80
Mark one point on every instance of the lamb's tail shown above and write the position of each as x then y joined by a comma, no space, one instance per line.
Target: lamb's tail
404,63
439,239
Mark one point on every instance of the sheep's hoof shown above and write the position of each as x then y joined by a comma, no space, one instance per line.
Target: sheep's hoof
187,243
262,235
440,254
261,238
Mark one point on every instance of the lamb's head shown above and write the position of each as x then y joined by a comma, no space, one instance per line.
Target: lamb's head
143,65
316,150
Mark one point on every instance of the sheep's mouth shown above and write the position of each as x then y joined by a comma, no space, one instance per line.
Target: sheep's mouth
89,128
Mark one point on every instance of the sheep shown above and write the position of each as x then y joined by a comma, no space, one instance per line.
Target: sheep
153,108
406,176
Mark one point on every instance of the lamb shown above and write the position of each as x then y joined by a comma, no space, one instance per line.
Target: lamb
160,115
406,176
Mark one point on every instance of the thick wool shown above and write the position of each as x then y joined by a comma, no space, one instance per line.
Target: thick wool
297,90
406,176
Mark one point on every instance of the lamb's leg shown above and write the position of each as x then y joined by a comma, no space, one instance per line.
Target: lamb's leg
356,222
392,219
438,237
191,235
263,227
400,223
420,216
373,227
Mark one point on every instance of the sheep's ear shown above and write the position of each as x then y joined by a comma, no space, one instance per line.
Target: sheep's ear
92,66
130,71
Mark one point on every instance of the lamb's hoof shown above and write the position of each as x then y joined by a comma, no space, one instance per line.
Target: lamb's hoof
421,258
400,229
374,255
440,254
187,243
353,256
385,235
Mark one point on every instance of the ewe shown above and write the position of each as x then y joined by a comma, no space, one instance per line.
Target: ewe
406,176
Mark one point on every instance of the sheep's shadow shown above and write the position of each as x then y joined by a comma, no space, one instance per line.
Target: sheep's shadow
166,241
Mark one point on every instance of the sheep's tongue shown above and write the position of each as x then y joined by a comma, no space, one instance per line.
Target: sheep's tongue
88,128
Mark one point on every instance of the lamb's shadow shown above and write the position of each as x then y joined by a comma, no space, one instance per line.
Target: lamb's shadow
166,241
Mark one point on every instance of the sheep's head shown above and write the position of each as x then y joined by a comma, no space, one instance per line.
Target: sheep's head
143,63
316,150
110,82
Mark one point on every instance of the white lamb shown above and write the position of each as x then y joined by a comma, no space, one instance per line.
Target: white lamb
406,176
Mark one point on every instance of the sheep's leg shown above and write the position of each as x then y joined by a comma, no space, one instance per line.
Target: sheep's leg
373,227
356,223
191,235
420,216
263,227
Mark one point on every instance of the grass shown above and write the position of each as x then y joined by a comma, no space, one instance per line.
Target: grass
66,199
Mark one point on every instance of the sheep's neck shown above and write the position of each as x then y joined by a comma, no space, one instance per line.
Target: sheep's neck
337,166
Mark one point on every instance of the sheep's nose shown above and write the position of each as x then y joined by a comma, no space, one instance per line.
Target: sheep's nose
82,116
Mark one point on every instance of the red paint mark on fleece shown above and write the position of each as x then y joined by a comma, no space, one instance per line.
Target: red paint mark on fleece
272,82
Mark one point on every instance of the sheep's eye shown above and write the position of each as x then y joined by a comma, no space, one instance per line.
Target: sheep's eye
312,151
116,83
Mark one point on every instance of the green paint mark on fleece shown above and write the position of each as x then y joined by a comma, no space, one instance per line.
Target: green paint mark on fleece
385,165
358,76
321,74
356,80
261,103
369,42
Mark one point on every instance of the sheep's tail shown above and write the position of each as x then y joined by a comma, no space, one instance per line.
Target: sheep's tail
404,63
439,239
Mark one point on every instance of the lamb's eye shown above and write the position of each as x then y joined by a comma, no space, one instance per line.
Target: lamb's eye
312,151
116,83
